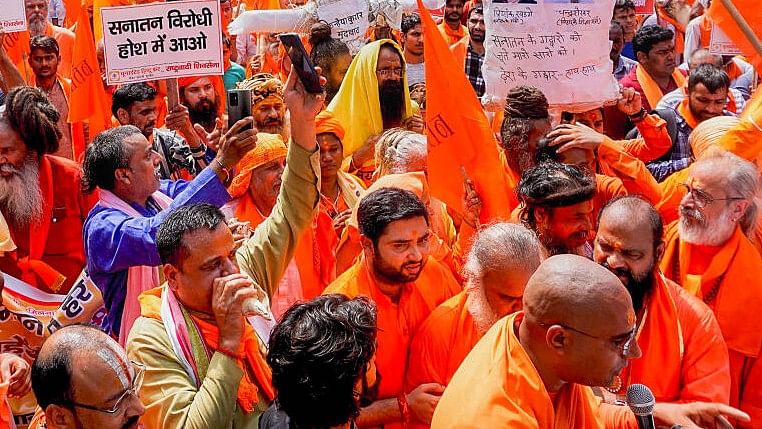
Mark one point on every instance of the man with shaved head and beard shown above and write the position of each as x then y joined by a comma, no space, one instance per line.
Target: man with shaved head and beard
533,368
100,391
684,355
501,260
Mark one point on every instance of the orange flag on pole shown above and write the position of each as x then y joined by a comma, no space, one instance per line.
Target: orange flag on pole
88,98
72,12
459,134
746,37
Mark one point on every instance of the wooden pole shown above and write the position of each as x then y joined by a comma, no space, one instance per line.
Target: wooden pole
743,25
173,94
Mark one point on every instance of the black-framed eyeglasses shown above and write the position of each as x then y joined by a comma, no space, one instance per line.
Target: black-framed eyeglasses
623,344
702,198
133,390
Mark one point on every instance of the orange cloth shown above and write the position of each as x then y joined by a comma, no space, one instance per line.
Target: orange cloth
752,13
326,122
87,101
614,161
441,343
397,322
53,265
459,135
686,113
735,268
651,89
679,29
452,36
497,386
269,148
684,355
607,188
17,46
97,5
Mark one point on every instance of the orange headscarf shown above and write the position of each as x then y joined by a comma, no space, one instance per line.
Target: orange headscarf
217,83
325,122
269,148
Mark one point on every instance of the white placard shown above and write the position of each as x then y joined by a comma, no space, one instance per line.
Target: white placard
348,20
558,47
162,40
13,16
720,43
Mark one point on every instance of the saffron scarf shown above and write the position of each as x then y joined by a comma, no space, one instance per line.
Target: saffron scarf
651,89
139,278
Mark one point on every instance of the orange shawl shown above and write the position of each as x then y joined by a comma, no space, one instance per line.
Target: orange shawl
510,391
736,268
651,89
679,29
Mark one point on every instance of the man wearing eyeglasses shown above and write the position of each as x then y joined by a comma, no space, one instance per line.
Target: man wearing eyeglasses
684,355
709,253
83,379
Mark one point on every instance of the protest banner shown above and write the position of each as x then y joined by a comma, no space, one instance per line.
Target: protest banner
560,48
721,44
348,19
13,16
644,7
162,40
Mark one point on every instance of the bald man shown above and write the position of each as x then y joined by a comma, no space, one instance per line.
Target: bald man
98,392
498,266
533,368
684,355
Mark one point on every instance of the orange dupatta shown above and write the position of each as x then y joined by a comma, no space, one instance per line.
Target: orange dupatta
679,29
651,89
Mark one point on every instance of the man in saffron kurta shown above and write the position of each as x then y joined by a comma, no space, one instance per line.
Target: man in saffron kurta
211,350
495,281
532,368
708,253
42,198
396,272
684,355
451,27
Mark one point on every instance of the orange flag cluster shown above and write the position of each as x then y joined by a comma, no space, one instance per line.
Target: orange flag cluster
752,14
459,134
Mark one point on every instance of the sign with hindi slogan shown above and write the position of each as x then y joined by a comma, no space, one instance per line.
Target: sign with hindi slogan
554,45
13,16
162,40
348,20
644,7
720,43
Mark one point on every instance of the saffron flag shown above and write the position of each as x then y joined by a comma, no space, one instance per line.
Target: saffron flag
458,132
752,14
72,12
88,97
97,5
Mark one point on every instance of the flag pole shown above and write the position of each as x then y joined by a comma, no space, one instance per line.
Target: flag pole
743,25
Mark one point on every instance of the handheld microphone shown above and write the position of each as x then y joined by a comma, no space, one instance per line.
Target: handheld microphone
641,401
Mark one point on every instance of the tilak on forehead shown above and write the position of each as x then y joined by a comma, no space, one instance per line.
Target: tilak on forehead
113,356
263,86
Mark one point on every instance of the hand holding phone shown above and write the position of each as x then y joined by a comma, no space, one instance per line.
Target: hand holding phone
301,62
239,106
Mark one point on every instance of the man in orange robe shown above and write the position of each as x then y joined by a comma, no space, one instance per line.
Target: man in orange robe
684,355
501,260
396,272
709,255
41,196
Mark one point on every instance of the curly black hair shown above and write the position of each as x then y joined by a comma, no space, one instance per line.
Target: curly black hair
318,353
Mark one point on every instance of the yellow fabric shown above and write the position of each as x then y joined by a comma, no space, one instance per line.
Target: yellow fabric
706,134
269,148
357,102
6,242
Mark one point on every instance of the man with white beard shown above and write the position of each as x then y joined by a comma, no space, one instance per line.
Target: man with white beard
709,254
499,264
40,195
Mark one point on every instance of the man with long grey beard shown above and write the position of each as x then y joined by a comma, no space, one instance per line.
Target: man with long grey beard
40,195
499,264
709,253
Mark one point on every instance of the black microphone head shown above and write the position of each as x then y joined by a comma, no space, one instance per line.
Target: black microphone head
640,399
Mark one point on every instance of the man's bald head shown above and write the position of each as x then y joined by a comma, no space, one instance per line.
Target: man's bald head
633,213
573,289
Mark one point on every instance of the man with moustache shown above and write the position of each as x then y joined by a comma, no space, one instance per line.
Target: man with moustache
203,96
37,21
396,271
709,254
684,355
412,43
40,195
451,28
267,105
135,104
83,379
475,50
373,97
622,64
557,204
500,262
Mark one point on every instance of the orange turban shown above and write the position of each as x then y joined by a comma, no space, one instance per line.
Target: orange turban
325,122
708,133
262,86
217,83
270,147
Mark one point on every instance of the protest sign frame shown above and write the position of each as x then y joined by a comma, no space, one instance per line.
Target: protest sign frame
162,41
